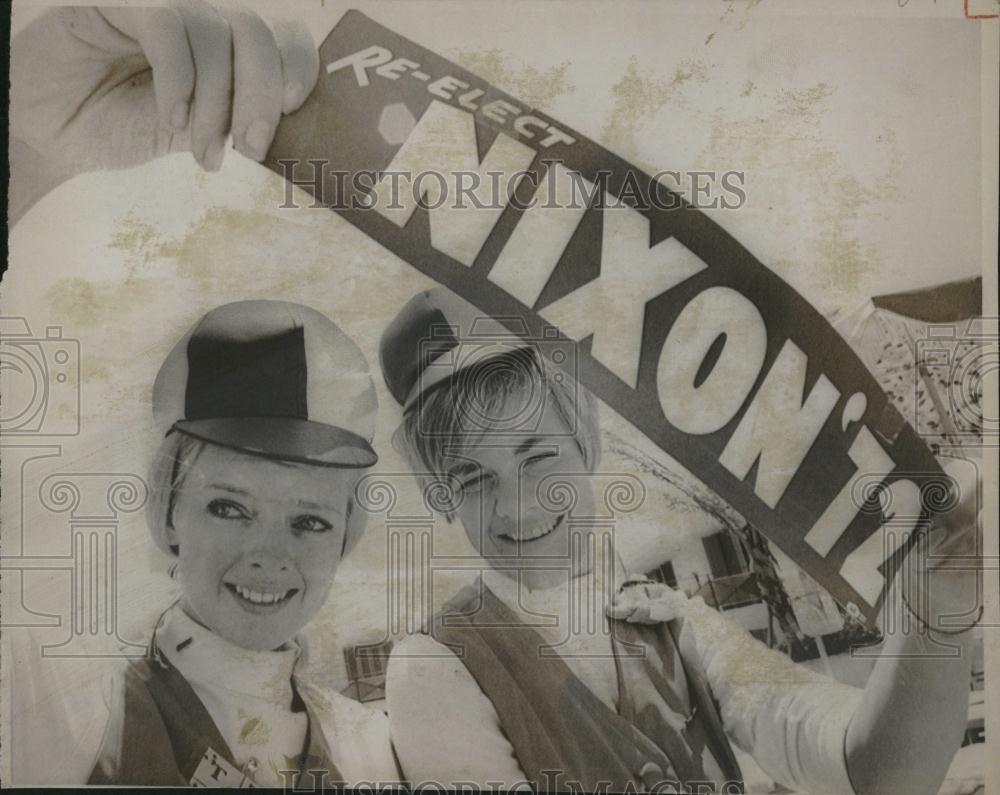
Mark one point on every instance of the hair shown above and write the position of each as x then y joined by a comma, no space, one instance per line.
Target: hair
464,408
173,463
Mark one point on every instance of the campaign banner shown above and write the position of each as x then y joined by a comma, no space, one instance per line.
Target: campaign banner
681,330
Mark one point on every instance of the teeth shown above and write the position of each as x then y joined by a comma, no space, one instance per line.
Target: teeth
531,533
260,598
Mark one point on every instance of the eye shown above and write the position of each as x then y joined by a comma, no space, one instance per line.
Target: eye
532,460
475,483
311,524
227,509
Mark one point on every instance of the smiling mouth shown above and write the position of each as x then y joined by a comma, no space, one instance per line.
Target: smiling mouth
533,532
260,601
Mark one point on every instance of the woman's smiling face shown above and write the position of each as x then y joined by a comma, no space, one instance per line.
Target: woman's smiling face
503,480
259,543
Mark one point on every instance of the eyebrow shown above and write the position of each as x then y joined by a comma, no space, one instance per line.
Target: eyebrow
315,506
230,489
527,444
462,469
466,467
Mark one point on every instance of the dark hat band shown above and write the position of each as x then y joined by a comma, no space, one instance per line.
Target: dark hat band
283,439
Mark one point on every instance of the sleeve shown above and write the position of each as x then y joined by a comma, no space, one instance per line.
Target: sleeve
361,748
792,721
444,728
60,711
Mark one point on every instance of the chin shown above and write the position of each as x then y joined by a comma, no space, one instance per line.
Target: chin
253,638
260,642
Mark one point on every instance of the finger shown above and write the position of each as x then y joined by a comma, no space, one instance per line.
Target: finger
965,490
211,46
620,610
258,86
657,603
622,614
162,37
299,62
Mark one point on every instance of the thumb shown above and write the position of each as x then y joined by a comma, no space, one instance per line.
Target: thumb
647,605
624,605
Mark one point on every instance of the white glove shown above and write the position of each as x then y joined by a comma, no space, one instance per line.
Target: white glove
643,601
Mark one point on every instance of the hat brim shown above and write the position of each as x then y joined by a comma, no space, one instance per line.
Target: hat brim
284,439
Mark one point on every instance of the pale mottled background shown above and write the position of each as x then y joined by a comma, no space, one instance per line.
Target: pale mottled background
860,139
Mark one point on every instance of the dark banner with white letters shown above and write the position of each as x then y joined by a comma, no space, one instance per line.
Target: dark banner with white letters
681,330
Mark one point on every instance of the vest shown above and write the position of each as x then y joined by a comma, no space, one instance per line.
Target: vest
564,736
169,739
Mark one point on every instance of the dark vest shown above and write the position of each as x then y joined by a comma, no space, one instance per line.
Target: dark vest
168,738
563,735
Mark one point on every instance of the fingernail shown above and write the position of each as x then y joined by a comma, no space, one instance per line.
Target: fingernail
293,93
258,138
212,159
179,115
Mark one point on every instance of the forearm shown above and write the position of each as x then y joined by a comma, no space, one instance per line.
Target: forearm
35,167
916,700
790,719
32,176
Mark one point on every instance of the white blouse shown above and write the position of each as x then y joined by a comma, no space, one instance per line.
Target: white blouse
791,720
248,694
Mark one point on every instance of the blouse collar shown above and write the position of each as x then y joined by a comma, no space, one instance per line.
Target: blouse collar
207,659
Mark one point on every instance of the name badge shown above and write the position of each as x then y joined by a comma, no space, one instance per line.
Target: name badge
214,771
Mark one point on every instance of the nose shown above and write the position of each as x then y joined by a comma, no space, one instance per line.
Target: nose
268,549
501,521
506,498
265,564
